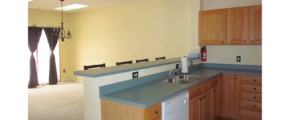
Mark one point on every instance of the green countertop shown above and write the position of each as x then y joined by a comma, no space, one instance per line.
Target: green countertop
148,94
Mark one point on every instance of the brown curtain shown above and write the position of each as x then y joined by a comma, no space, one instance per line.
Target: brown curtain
34,34
52,35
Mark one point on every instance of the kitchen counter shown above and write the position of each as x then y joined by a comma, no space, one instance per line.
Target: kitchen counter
148,94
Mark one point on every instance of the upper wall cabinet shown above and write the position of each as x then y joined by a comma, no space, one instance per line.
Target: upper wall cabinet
212,27
232,26
237,26
255,25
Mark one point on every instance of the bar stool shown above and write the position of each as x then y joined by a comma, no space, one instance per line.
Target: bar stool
125,62
160,58
142,60
86,67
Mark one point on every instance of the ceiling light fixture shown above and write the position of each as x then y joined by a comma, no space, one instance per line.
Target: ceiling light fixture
63,34
72,7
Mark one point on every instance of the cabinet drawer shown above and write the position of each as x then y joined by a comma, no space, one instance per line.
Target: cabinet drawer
206,86
214,81
251,88
195,91
255,97
255,80
153,111
251,113
252,106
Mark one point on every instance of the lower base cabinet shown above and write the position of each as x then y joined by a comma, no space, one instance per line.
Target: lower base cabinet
194,108
205,100
242,97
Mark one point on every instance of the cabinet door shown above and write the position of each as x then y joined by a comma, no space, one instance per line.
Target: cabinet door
255,25
194,108
220,91
215,102
206,106
212,27
231,94
237,26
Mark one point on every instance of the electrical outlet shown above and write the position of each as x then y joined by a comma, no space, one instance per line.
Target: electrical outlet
238,58
63,70
177,66
191,63
135,74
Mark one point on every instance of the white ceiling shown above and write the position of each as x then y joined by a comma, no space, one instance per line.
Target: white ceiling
93,4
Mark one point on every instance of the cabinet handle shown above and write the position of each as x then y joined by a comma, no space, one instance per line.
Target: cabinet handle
235,78
156,112
254,105
254,97
200,98
255,89
203,97
252,40
215,81
213,91
245,41
255,80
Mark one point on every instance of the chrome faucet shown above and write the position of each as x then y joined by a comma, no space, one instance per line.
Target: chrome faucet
173,71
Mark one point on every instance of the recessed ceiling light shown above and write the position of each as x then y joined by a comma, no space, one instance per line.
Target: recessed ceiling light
71,7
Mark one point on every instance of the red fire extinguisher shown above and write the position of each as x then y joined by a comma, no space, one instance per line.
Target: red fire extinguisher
203,54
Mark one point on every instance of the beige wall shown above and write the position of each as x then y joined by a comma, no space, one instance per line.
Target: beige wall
250,55
137,30
219,4
51,18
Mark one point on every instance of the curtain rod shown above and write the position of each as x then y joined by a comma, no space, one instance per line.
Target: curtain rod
42,26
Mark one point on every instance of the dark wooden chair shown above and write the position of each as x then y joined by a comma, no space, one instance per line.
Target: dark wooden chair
86,67
142,60
160,58
125,62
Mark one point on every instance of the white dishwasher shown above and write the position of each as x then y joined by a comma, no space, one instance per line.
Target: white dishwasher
176,107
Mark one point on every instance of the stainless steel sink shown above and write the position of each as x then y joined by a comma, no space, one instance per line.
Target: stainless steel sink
182,79
176,81
187,77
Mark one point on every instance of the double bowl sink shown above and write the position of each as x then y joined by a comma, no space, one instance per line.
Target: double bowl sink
182,79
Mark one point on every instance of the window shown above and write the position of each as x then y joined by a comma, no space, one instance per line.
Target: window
43,53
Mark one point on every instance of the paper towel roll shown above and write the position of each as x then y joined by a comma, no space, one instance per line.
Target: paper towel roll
184,66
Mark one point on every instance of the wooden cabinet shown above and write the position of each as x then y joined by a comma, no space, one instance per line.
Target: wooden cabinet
194,108
220,85
255,25
205,100
231,26
206,106
153,112
242,97
231,96
251,96
215,102
252,80
117,111
212,27
237,26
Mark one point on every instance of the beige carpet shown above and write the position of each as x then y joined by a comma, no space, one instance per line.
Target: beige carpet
56,102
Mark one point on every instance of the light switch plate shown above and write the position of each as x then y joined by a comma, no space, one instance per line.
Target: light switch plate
239,58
